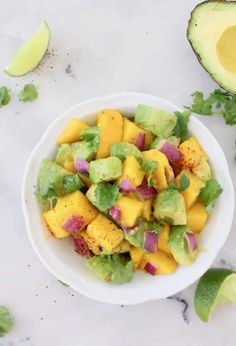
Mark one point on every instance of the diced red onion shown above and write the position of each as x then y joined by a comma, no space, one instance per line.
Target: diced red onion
73,224
150,268
81,247
171,152
191,241
140,141
81,166
126,186
145,191
150,241
115,213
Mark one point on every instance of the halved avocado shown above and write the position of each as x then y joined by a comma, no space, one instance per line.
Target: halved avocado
212,35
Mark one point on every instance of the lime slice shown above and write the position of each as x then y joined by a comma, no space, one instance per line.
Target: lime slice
29,55
216,286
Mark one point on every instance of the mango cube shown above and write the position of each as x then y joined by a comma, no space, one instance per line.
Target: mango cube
70,134
130,209
110,123
192,192
105,232
132,170
73,204
197,217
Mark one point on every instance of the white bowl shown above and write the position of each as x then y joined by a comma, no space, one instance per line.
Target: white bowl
58,255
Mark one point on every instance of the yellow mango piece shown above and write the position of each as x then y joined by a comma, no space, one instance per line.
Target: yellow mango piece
131,132
130,209
73,204
123,247
85,180
69,166
70,134
105,232
136,256
192,192
131,169
197,217
192,152
91,242
163,237
110,123
147,208
164,262
160,174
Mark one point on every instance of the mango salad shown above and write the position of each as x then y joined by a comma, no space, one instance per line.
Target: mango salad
132,193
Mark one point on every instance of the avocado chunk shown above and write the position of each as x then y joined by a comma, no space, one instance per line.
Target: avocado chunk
84,150
159,122
202,170
103,195
123,149
170,208
51,177
105,169
55,181
211,33
64,157
179,247
159,142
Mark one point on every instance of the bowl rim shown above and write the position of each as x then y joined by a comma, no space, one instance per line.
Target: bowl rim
102,297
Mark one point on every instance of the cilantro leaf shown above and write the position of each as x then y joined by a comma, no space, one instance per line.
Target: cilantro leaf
181,127
29,93
106,196
149,166
210,192
149,226
218,99
6,321
4,96
63,283
183,182
200,105
89,133
72,183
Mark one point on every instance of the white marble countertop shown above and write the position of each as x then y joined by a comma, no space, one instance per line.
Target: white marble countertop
97,48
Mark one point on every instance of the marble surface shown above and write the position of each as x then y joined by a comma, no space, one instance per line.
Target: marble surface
97,48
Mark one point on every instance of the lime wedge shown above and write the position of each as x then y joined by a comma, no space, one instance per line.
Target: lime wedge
216,286
29,55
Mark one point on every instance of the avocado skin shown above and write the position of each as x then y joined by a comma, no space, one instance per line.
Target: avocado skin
226,3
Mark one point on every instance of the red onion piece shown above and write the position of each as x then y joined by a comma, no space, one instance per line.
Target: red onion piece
115,213
81,166
140,141
191,241
73,224
150,241
145,191
126,186
150,268
171,152
81,247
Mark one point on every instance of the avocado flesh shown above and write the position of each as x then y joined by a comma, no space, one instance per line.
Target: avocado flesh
212,35
105,169
178,245
170,208
156,121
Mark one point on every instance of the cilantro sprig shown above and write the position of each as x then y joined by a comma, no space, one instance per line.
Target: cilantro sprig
219,102
149,166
